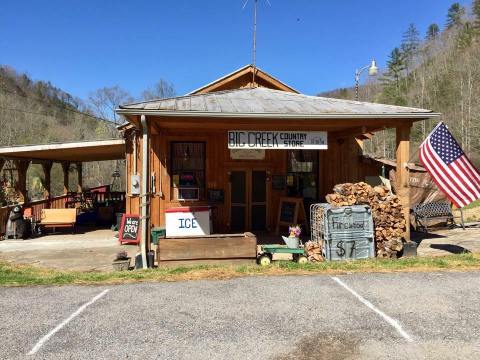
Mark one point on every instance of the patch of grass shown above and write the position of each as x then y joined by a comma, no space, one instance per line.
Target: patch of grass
25,275
474,204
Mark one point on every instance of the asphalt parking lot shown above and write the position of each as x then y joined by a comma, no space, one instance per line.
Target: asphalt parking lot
368,316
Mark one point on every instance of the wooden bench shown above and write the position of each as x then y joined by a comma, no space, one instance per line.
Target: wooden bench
435,211
55,218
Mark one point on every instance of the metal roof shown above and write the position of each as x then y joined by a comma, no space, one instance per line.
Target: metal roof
83,151
264,102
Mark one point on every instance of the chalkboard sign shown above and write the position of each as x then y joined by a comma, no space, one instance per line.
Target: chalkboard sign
291,212
129,229
215,196
287,212
279,182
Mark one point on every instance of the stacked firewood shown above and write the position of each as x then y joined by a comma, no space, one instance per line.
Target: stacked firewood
387,213
313,251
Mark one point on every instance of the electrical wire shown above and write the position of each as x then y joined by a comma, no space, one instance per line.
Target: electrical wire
50,115
43,101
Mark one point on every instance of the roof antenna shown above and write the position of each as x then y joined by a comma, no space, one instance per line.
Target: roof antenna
254,62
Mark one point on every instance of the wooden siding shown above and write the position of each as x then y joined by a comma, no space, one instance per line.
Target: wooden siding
340,163
243,78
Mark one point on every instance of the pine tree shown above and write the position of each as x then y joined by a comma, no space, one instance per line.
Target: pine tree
396,64
393,86
410,42
466,36
476,14
433,31
454,15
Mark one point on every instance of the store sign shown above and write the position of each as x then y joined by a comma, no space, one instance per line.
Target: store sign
247,154
306,140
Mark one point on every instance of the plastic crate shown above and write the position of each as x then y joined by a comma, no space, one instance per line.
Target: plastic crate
157,232
345,232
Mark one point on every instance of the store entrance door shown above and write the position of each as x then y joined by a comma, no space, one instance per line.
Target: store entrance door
302,178
248,200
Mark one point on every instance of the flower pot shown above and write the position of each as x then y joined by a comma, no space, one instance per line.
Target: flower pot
121,265
292,242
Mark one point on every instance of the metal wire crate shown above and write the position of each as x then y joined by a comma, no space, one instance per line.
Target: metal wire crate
345,232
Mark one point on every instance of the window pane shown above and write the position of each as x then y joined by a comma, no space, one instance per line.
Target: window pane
188,165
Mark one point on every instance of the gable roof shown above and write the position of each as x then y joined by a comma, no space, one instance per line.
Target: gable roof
267,103
242,78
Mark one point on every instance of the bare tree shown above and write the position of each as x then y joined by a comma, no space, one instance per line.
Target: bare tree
162,89
104,101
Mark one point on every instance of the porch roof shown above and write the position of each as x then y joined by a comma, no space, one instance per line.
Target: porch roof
84,151
268,103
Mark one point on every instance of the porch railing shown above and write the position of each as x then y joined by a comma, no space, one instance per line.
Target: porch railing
34,208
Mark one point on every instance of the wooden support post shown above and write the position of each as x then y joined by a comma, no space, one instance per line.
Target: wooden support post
65,168
80,177
47,169
22,167
403,155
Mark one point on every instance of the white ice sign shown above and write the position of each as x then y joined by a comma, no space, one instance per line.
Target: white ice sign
306,140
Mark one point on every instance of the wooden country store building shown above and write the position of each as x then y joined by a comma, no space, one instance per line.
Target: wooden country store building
241,144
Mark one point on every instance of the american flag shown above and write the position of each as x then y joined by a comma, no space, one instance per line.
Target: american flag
449,167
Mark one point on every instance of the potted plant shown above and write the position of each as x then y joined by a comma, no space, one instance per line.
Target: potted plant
293,239
121,261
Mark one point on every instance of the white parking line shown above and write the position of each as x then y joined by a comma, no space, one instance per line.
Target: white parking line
44,339
368,304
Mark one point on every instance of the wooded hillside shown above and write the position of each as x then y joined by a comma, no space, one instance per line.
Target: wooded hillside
439,71
36,112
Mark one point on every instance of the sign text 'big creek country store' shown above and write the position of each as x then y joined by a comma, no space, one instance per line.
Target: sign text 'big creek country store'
307,140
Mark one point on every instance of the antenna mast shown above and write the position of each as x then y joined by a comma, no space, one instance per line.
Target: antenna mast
254,41
254,63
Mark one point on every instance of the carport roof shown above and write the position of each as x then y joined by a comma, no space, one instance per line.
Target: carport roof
84,151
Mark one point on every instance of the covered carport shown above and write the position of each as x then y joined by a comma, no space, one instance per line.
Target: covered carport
66,154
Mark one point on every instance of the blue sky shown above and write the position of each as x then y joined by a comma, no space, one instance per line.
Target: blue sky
312,45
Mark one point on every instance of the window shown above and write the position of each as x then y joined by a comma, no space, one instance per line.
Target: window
300,161
302,175
188,170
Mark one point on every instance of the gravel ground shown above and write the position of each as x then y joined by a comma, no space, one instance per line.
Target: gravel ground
300,317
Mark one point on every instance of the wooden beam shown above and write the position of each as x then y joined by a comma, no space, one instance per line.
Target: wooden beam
79,177
47,168
22,167
366,136
403,156
65,168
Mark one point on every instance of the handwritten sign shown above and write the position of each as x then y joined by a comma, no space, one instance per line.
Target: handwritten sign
306,140
129,229
247,154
